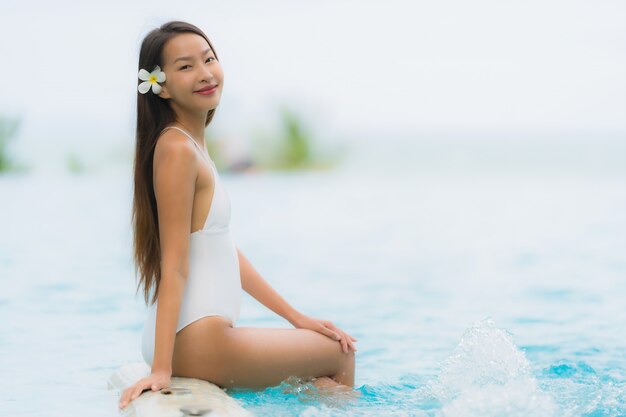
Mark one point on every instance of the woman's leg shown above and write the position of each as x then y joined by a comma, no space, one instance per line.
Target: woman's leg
250,357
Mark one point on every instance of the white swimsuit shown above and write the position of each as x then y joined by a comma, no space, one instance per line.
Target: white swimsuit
213,286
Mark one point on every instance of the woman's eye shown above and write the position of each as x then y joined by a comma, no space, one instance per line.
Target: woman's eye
184,66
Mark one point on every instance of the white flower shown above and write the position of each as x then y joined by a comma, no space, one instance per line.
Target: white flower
151,79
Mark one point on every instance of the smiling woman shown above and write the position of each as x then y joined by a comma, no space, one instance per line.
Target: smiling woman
188,56
184,251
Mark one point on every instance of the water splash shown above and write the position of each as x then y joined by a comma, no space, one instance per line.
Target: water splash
487,375
295,393
581,391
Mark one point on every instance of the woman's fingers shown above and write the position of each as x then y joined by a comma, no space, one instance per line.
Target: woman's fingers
137,392
345,338
325,329
334,328
348,342
330,333
132,393
351,343
352,339
126,396
344,344
155,382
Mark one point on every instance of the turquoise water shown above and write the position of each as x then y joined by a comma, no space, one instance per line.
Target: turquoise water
471,295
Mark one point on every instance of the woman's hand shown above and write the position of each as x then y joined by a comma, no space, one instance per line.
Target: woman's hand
326,328
155,381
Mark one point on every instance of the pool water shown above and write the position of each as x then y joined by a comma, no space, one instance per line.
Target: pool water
470,295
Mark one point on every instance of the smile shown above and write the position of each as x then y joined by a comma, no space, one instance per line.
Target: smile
206,92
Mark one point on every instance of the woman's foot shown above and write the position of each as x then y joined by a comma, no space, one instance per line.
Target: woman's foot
324,382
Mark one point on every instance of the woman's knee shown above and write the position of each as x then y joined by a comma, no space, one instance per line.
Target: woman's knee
345,373
348,359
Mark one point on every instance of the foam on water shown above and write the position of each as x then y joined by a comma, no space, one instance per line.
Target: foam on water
297,393
487,375
581,391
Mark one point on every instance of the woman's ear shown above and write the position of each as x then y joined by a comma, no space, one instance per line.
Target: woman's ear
164,93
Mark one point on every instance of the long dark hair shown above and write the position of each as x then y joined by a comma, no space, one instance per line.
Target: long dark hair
153,115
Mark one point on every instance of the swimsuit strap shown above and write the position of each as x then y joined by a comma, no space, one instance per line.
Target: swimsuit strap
194,142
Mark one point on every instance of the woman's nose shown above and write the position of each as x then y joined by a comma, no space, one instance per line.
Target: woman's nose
207,75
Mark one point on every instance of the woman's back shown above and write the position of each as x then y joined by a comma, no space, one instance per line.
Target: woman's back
213,286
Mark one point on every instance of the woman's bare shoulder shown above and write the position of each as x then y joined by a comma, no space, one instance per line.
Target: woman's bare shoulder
173,144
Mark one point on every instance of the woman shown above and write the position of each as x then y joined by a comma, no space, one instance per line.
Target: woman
184,250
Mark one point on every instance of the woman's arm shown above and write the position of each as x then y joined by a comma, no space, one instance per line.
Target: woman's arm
175,173
254,284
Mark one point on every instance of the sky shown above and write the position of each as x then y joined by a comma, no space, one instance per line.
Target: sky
69,68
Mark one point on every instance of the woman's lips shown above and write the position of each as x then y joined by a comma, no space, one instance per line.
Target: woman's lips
207,92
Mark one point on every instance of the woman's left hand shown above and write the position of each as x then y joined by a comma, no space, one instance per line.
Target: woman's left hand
326,328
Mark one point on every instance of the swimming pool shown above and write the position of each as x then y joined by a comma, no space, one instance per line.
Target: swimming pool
470,295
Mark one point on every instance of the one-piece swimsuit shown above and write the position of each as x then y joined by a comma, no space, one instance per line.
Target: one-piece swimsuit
213,286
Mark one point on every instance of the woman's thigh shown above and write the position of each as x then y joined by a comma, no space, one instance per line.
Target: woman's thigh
255,357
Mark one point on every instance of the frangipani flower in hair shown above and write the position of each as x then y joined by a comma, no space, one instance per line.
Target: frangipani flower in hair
151,79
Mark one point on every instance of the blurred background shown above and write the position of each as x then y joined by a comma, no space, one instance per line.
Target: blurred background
515,74
446,181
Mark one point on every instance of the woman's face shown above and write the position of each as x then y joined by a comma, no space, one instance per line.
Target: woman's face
190,65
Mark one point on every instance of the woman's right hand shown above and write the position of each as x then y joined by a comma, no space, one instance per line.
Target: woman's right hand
155,381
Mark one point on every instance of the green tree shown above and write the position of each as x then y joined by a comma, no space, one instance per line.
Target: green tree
8,129
296,150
